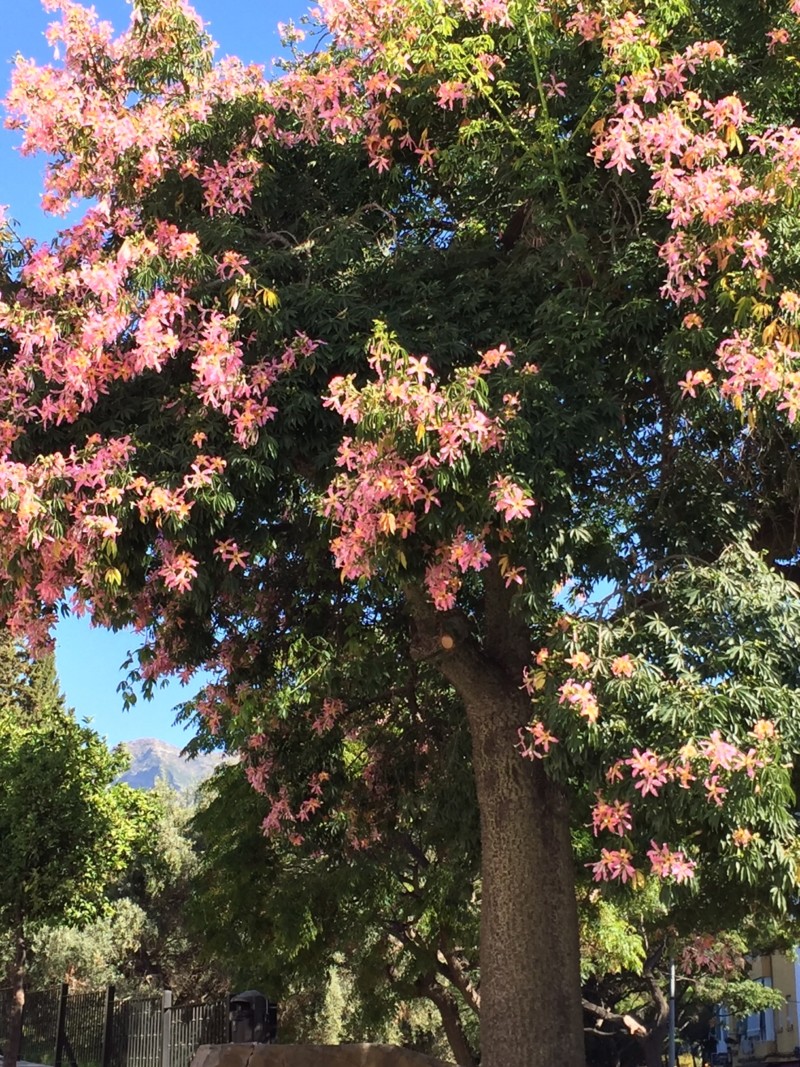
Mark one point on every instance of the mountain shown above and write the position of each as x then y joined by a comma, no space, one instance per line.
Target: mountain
152,759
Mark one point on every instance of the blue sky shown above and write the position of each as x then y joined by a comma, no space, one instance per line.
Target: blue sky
90,660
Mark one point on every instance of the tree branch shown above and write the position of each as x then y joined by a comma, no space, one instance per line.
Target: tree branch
451,1021
451,967
631,1024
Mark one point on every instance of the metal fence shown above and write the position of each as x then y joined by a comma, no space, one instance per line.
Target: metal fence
97,1030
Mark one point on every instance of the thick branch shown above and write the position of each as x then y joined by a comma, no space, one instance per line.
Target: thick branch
451,1021
631,1024
507,640
443,638
661,1002
451,967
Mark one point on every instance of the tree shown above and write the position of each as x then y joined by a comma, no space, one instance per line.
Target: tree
65,828
627,947
503,186
358,854
142,938
377,872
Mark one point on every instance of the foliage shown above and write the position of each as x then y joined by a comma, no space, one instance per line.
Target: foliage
66,829
91,956
374,879
471,229
143,940
703,654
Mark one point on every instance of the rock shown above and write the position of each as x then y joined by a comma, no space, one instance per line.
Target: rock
363,1055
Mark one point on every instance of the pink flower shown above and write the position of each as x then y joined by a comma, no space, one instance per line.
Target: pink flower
729,110
669,864
613,864
614,817
179,571
450,93
230,264
719,753
581,697
230,553
553,87
514,576
495,356
511,500
776,37
540,741
615,772
715,792
580,660
693,380
649,769
764,730
755,248
622,667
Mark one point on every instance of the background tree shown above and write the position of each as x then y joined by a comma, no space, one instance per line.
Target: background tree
143,939
627,946
65,828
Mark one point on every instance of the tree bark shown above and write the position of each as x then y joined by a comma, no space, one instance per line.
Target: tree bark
16,978
653,1043
531,1013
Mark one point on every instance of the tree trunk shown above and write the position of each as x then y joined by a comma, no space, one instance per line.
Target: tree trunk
653,1047
653,1043
16,978
531,1013
530,978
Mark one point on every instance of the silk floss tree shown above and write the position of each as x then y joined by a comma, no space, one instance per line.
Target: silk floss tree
492,301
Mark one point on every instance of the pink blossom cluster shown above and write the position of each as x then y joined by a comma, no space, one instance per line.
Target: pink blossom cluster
649,771
443,579
70,105
367,25
332,710
614,816
669,863
617,864
710,762
580,696
228,186
388,484
283,816
381,44
717,177
709,755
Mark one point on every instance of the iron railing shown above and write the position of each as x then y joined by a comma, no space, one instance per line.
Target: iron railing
60,1029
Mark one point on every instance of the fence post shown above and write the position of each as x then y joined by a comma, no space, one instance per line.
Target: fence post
108,1028
166,1027
61,1025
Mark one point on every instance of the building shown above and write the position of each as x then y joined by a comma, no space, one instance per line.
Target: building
772,1036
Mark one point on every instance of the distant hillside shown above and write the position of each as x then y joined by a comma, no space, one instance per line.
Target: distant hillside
152,759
